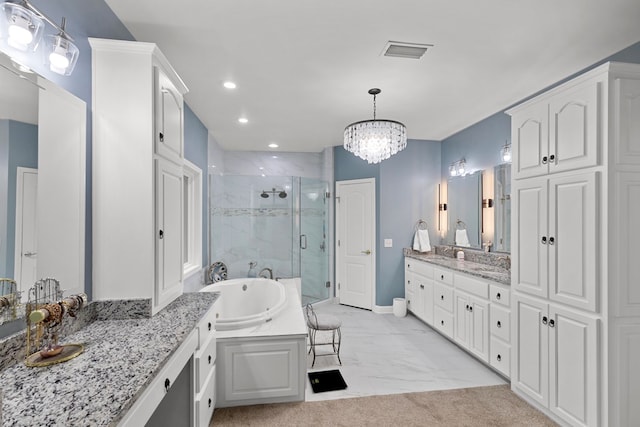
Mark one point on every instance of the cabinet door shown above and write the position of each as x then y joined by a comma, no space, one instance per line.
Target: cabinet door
461,323
573,365
479,328
530,363
169,117
169,201
529,227
530,141
573,240
573,136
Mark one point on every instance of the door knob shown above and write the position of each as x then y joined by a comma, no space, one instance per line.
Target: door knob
367,252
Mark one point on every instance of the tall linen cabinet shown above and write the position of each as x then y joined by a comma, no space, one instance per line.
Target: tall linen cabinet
138,154
575,280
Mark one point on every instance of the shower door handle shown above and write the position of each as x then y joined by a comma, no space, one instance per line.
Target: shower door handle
303,241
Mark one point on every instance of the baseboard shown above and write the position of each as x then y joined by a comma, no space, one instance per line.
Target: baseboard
383,309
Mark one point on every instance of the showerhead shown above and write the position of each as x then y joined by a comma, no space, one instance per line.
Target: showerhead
283,194
264,195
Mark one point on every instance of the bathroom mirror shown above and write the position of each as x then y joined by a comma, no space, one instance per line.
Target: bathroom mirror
502,207
42,181
464,210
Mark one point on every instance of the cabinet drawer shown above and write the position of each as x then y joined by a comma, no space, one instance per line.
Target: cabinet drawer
444,276
500,322
206,401
499,295
443,297
500,356
420,267
472,286
408,296
409,283
443,321
206,327
205,361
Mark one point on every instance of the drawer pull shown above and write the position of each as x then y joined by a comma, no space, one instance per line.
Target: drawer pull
467,307
167,385
442,277
498,296
442,322
552,240
552,323
544,320
209,402
209,358
544,160
408,265
544,240
499,358
499,324
552,157
442,297
421,286
471,308
209,325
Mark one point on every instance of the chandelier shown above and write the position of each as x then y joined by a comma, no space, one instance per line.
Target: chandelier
375,140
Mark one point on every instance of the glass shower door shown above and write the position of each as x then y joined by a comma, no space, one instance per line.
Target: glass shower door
314,240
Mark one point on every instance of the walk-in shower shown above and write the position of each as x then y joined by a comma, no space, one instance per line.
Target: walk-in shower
280,223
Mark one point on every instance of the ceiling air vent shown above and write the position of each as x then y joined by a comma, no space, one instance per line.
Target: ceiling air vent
405,50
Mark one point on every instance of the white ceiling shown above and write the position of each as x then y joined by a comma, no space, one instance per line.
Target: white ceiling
303,67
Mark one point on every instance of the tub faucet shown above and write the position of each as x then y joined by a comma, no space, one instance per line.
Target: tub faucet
266,270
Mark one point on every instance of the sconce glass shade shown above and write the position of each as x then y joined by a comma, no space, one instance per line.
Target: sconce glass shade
62,55
505,153
461,167
21,27
453,171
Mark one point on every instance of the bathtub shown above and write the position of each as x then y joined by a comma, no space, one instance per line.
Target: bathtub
261,336
247,302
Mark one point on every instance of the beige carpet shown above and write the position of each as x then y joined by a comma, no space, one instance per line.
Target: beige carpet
481,406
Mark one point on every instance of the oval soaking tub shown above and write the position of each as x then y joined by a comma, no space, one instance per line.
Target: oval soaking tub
247,302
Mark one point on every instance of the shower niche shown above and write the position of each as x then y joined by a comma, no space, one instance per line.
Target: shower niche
281,223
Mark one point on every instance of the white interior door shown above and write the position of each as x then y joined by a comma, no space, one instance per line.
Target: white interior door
355,242
26,236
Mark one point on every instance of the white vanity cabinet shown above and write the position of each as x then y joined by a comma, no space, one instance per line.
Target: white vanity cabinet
137,173
419,289
463,307
205,369
575,305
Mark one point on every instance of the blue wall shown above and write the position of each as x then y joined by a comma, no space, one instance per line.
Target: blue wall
406,191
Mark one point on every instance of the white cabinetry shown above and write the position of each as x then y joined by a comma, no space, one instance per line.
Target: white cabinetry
459,306
137,173
576,189
419,289
205,369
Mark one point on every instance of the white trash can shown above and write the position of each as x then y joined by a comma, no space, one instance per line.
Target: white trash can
399,307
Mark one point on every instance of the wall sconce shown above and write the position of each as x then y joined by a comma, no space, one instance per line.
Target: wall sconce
458,168
22,26
505,153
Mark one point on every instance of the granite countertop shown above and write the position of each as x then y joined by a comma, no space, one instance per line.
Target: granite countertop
120,359
486,271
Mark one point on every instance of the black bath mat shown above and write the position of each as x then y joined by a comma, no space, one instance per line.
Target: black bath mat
326,381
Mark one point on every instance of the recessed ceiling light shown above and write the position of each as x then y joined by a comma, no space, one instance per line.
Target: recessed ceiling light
273,145
261,168
229,85
243,120
406,50
274,157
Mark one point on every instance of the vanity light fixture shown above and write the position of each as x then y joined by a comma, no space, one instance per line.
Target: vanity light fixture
22,24
458,168
505,153
375,140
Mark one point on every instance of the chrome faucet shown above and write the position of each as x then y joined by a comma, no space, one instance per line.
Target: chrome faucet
267,270
507,261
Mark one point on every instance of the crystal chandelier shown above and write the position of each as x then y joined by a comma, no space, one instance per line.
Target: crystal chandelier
375,140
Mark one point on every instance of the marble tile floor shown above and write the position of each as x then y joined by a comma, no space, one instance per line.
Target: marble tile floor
384,354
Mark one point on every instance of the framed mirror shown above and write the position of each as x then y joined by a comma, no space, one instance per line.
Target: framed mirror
464,210
502,207
42,181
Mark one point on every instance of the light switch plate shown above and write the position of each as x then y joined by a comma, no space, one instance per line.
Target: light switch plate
388,243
